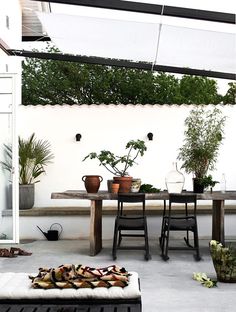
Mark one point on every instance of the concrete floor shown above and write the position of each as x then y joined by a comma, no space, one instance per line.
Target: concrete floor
166,286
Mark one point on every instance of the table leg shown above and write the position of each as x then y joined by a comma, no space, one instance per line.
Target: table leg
95,227
218,212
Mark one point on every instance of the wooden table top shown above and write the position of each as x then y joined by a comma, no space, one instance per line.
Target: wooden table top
105,195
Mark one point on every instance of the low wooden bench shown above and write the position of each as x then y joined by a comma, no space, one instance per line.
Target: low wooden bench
16,295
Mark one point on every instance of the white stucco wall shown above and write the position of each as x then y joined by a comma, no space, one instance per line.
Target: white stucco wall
77,227
11,34
111,127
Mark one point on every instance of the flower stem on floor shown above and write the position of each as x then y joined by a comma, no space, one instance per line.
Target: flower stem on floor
204,280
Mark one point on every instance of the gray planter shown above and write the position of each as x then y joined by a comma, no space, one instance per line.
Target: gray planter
109,183
26,196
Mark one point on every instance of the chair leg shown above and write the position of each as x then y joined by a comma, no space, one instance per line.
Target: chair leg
165,245
162,240
119,238
196,245
162,237
162,228
187,240
147,253
114,248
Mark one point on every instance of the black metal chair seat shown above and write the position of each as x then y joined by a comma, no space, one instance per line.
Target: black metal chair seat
127,226
177,224
131,223
187,222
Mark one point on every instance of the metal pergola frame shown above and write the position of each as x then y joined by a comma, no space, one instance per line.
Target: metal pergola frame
150,8
35,38
137,7
121,63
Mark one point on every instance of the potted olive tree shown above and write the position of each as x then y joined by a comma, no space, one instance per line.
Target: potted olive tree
34,155
204,131
119,165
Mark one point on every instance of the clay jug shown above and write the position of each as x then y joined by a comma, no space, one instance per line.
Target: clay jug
92,183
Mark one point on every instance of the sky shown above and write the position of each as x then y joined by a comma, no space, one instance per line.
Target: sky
228,6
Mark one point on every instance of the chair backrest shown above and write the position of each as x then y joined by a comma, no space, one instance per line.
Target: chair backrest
130,198
183,199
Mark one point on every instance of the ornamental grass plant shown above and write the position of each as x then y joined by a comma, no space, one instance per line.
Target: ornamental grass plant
203,135
34,155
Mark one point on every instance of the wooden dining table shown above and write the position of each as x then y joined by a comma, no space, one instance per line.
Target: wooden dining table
96,199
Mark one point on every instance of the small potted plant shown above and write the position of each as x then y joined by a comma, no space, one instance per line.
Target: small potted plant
34,155
204,131
224,261
119,165
207,181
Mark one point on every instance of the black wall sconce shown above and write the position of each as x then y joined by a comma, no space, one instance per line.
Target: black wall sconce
78,137
150,136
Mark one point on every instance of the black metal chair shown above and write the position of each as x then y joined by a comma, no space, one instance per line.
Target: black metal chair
186,222
130,225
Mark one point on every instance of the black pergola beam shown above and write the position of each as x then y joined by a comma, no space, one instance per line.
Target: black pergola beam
121,63
35,38
150,8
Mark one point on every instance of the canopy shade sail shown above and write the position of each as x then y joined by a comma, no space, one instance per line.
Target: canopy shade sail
149,39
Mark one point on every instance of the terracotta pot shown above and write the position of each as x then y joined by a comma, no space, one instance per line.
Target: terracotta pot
125,183
92,183
115,187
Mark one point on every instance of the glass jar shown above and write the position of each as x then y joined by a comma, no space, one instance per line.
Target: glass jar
223,183
135,186
174,180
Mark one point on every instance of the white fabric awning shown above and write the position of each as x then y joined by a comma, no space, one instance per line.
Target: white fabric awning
204,46
178,36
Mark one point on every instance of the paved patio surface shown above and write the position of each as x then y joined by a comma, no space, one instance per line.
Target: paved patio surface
166,286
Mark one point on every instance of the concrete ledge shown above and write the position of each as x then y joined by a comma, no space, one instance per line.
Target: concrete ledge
75,211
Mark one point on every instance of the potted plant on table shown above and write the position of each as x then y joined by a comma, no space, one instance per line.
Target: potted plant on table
34,155
204,131
119,165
